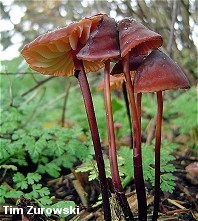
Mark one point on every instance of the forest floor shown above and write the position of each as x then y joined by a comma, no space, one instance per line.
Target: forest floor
182,204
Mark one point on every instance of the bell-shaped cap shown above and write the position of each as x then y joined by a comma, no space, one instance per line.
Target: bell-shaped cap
50,53
103,42
136,38
134,63
115,83
158,72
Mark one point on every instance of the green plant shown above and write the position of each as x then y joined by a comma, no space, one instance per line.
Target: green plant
48,148
184,119
29,188
126,170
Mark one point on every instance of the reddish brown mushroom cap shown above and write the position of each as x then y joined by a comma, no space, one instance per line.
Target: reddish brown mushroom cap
134,63
51,53
115,83
136,38
158,72
103,42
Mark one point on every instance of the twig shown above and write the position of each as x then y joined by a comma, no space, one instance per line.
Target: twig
34,110
64,103
174,16
51,102
170,213
37,85
11,91
32,97
176,204
81,192
15,73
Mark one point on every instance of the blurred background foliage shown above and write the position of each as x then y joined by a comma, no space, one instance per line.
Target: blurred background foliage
175,20
59,100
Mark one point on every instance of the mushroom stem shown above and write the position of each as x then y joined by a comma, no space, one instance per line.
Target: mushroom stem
137,153
157,154
124,90
112,146
81,76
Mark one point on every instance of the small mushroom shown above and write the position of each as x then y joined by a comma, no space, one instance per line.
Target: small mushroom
51,53
115,83
157,73
134,63
138,40
192,173
54,53
107,50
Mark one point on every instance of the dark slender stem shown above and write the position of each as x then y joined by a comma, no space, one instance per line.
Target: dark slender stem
124,90
81,76
112,146
64,104
157,154
137,152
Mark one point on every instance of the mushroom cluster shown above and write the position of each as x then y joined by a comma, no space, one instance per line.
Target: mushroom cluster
87,46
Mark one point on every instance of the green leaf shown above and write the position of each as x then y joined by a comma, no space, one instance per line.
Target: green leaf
60,147
20,180
35,148
33,177
66,160
3,191
44,192
82,152
116,105
18,134
5,150
85,168
35,190
72,146
14,194
51,168
62,208
126,158
45,200
167,182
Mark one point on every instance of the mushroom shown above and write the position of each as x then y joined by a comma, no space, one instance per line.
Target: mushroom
134,63
115,83
54,53
138,40
107,50
157,73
